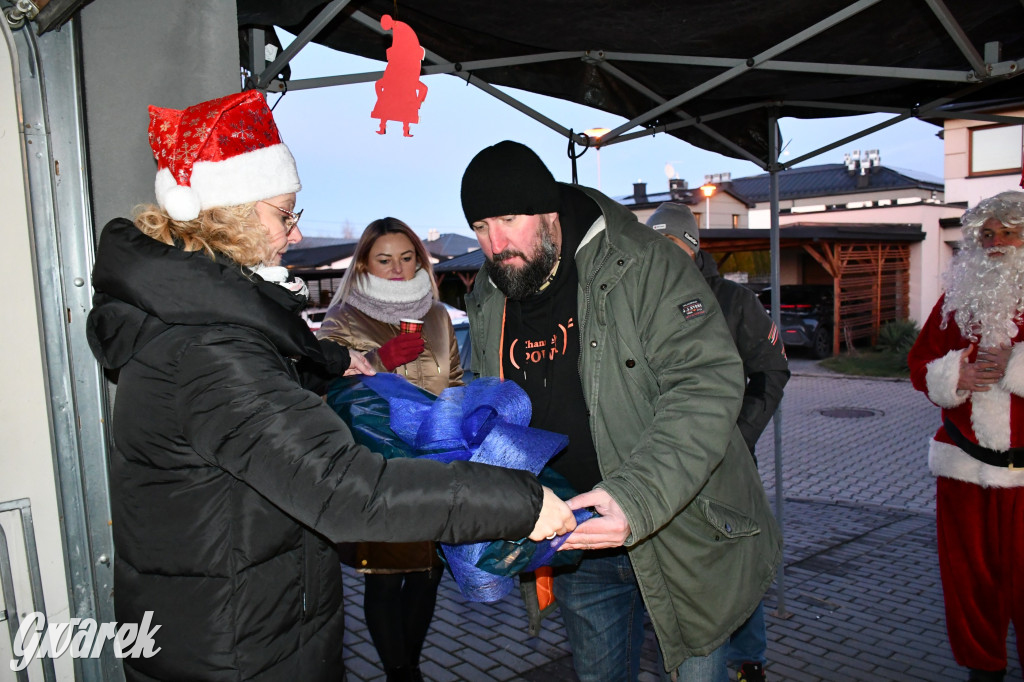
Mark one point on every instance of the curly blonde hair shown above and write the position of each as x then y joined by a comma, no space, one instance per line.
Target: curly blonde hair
234,231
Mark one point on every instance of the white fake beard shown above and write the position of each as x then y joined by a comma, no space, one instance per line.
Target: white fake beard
985,295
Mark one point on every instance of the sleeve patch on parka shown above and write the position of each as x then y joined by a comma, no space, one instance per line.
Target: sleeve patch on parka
692,309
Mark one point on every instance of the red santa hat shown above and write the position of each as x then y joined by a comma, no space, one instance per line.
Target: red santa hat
224,152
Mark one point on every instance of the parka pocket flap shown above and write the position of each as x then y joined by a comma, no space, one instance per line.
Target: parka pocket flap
730,522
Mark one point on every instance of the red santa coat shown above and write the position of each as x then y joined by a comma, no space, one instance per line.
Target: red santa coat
993,418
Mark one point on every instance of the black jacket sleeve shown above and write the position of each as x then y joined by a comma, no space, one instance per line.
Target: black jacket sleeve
315,376
764,363
242,410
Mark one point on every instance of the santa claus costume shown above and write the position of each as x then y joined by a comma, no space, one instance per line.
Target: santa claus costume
977,454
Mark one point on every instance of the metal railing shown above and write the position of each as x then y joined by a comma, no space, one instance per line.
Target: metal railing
10,610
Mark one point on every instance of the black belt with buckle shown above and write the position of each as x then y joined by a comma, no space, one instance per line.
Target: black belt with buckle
1012,458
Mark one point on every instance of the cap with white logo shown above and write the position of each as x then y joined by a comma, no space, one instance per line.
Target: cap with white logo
676,220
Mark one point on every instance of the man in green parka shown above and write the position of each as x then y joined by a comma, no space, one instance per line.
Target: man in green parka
620,344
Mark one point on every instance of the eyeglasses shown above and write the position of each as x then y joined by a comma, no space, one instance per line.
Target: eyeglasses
290,222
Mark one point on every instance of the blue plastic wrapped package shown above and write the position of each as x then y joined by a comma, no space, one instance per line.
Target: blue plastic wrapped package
486,421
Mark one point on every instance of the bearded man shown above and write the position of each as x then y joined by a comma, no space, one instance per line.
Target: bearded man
620,344
969,361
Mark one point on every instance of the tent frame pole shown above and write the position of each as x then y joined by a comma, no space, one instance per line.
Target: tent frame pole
773,184
753,62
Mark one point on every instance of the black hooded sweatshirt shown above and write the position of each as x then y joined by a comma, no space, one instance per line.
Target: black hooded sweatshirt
229,479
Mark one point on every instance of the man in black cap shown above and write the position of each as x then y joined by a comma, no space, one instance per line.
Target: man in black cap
620,344
766,370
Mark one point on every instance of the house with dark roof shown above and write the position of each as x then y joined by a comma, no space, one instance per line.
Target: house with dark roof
982,157
728,208
867,230
837,187
841,181
744,202
449,245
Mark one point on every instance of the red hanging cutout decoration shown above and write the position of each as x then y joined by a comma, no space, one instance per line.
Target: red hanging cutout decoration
400,91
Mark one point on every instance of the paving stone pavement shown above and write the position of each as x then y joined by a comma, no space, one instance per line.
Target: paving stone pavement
862,596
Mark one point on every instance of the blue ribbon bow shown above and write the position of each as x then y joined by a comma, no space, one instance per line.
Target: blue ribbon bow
486,421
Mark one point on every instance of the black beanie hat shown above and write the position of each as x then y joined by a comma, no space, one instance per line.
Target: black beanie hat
508,179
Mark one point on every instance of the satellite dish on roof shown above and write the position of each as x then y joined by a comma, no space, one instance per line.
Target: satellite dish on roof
670,171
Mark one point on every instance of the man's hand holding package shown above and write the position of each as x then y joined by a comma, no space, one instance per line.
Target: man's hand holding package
609,529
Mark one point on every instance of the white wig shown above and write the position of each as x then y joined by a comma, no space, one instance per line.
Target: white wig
985,295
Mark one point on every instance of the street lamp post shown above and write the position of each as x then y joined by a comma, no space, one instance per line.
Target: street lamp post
595,137
707,189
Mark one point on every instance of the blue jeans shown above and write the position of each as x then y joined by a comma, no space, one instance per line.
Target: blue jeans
750,642
603,613
710,668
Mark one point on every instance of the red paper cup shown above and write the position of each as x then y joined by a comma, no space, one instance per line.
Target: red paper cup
411,326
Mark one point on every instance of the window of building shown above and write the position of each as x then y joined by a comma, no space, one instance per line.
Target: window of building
699,217
996,149
735,221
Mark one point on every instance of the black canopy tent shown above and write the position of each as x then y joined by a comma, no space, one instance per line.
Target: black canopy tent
716,75
713,74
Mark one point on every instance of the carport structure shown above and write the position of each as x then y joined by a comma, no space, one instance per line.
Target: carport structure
869,268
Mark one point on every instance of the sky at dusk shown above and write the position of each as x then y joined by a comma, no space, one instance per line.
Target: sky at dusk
351,175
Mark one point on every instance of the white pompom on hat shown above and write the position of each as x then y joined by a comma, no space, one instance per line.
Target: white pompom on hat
223,152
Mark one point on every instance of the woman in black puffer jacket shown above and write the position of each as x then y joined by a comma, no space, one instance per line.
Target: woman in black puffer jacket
230,478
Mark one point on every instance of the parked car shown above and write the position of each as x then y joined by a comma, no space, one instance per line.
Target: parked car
806,314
